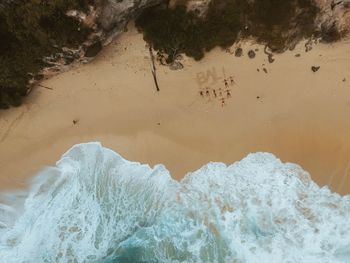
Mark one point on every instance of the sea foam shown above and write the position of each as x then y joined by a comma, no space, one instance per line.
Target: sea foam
95,206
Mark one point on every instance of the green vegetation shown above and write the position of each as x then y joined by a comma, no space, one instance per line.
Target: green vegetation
29,31
280,24
175,31
276,23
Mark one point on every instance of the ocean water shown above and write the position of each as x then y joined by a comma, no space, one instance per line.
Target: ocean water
95,206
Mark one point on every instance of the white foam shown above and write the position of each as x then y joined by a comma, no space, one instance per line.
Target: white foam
97,207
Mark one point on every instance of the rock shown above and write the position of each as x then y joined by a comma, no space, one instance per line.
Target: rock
176,66
115,14
270,58
199,7
297,55
69,60
329,32
238,52
308,45
265,70
333,22
315,68
179,57
51,35
251,54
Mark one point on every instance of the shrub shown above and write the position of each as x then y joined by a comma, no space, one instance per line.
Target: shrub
275,23
29,31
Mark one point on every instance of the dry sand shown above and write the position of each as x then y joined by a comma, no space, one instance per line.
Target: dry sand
300,116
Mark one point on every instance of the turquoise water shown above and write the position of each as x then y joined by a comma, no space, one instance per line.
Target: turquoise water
95,206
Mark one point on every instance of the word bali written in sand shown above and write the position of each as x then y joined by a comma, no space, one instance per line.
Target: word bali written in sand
215,86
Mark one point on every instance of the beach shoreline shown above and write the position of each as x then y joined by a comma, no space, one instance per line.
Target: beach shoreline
282,107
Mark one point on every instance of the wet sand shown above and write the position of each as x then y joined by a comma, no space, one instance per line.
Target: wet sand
299,115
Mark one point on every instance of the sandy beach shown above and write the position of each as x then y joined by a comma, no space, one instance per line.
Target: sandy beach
284,108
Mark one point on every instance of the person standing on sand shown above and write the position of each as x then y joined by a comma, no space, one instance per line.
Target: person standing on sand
222,102
226,83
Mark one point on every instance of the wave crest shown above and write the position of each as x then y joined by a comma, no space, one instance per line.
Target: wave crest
95,206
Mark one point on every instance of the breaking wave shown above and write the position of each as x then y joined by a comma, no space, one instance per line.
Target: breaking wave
95,206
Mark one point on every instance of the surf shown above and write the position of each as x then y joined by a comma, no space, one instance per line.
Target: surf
95,206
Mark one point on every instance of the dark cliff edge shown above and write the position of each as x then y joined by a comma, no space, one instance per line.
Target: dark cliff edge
42,37
279,25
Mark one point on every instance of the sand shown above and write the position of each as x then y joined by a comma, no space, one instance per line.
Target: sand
301,116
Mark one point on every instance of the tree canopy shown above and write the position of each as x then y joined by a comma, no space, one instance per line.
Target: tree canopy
29,31
275,23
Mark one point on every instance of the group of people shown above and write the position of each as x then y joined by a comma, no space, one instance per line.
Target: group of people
221,93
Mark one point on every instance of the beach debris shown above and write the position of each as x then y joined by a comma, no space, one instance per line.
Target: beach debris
269,54
258,70
228,50
153,68
176,66
45,87
179,57
75,121
265,70
256,50
238,52
308,45
315,68
297,55
258,97
344,79
161,59
251,54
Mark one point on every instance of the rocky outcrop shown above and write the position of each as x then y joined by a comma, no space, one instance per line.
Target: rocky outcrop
115,14
41,38
333,19
200,7
107,19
